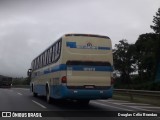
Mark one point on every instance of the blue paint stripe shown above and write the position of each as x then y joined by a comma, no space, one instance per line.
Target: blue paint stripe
56,68
104,48
91,68
79,68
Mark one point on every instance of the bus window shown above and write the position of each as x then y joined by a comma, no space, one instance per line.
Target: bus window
53,53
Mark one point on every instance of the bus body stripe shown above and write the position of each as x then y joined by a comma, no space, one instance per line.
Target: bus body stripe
79,68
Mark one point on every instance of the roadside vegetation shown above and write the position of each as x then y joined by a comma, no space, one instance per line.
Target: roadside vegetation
20,81
137,66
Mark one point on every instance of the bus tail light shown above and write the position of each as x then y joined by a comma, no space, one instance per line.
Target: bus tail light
112,81
64,79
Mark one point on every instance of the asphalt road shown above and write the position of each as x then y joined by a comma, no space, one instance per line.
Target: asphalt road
21,99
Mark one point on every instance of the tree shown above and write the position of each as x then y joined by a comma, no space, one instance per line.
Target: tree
156,28
156,21
146,55
124,62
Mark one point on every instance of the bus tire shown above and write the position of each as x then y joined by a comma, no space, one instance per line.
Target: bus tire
48,98
34,94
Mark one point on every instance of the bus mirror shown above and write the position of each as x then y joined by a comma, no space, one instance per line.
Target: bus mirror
29,72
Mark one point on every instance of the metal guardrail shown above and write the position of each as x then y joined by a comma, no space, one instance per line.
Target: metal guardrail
138,92
20,86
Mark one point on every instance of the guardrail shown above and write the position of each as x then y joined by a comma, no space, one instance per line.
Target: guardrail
20,86
142,96
138,92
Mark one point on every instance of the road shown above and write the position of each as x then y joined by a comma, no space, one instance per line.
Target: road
21,99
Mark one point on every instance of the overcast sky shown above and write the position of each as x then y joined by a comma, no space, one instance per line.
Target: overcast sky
27,27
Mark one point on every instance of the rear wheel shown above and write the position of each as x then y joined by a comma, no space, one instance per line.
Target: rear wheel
34,94
48,95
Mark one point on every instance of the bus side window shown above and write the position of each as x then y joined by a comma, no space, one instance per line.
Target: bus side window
56,51
59,48
46,58
42,59
53,54
50,55
36,63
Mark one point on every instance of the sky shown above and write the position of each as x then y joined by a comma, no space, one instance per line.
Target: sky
27,27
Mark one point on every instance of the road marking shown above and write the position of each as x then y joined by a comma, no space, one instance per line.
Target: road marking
23,88
19,93
134,104
115,101
112,106
39,104
148,107
131,107
128,106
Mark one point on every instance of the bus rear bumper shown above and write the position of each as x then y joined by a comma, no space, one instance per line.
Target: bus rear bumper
91,94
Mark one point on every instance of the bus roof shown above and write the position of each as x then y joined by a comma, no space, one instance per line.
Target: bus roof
72,34
88,35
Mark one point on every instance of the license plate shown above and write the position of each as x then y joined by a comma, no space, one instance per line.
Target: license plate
89,86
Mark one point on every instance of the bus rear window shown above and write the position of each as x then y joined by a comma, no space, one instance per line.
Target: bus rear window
88,63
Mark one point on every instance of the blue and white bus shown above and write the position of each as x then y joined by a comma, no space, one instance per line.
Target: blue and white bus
77,67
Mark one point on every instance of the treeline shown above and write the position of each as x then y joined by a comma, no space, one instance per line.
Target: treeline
20,81
136,65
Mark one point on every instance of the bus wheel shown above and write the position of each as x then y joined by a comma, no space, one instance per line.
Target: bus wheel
47,95
34,94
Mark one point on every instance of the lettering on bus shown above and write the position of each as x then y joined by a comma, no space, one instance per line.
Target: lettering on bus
89,69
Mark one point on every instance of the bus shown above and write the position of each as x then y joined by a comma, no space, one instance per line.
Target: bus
76,67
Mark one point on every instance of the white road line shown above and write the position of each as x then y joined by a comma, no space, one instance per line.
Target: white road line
120,101
131,107
134,104
23,88
112,106
148,107
39,104
19,93
128,106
